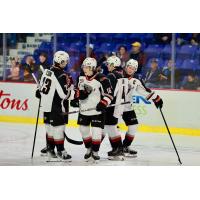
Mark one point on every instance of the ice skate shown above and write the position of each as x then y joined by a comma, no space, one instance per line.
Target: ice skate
64,156
95,156
44,151
116,154
88,154
129,152
51,155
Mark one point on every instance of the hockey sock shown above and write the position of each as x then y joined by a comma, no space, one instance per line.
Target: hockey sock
87,138
130,135
49,137
96,138
114,136
58,135
50,142
128,140
116,142
60,147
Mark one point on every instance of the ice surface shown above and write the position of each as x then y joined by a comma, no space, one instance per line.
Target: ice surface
153,149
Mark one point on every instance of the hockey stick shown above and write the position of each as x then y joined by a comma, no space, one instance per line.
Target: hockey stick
37,118
170,136
90,109
72,141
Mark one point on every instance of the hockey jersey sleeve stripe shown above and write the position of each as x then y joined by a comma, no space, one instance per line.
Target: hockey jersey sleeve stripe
108,100
59,89
109,96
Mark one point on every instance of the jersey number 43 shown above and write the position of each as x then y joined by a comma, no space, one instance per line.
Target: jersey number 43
46,85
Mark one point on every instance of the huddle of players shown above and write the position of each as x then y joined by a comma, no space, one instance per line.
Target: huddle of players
105,94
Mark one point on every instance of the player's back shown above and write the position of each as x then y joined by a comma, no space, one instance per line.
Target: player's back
53,90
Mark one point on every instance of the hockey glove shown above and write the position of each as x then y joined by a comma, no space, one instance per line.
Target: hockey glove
101,106
74,103
69,80
37,94
83,94
158,102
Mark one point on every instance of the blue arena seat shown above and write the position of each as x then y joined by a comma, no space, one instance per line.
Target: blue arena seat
187,52
153,51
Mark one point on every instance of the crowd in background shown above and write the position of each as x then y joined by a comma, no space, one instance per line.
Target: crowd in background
154,75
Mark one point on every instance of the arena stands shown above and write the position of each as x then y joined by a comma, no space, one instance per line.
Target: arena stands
153,46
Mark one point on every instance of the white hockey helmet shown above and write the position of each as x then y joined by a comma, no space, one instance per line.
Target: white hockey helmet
133,63
114,60
60,57
90,62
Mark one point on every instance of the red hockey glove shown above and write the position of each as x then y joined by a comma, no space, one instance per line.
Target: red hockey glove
101,106
69,80
158,102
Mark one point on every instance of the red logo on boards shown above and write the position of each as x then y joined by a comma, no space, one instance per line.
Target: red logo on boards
7,102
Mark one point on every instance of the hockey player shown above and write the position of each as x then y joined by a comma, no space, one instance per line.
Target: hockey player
129,115
55,90
94,91
120,88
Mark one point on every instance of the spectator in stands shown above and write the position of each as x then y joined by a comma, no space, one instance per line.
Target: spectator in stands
77,66
195,40
102,63
29,67
192,82
43,60
163,38
123,54
182,39
165,76
14,70
139,55
152,78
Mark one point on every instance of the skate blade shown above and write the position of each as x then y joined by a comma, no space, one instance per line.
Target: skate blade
128,155
95,161
116,158
43,154
64,160
89,159
50,159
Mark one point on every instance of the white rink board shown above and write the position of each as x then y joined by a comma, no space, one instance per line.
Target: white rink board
181,108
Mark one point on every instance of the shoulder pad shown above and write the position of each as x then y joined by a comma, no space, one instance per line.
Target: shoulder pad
100,77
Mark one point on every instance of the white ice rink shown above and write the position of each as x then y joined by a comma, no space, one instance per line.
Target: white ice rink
153,149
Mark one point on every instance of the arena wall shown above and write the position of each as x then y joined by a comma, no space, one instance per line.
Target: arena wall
181,109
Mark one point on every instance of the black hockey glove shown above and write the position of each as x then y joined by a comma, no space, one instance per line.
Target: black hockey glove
158,102
74,103
83,94
37,94
101,106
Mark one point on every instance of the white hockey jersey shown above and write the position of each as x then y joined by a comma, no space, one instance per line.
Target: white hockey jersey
99,87
50,87
135,85
120,87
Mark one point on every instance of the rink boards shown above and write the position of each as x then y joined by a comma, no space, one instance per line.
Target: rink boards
181,109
